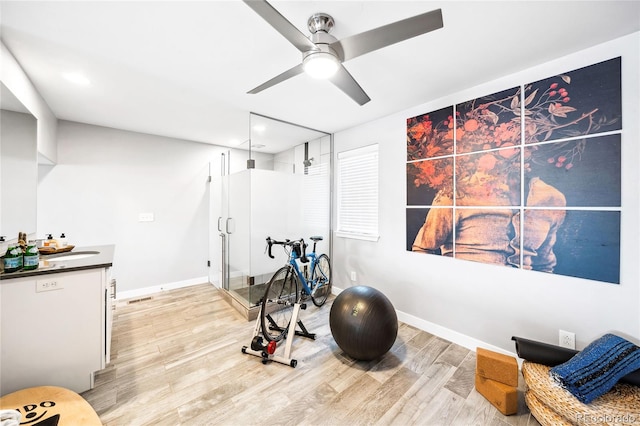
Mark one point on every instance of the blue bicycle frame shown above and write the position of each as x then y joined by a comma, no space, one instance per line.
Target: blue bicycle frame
312,263
298,251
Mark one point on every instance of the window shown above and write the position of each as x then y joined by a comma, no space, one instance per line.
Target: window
358,193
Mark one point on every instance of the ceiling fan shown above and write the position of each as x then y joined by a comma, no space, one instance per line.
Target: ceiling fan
323,54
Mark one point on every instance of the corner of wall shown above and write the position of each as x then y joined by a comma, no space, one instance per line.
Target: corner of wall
17,81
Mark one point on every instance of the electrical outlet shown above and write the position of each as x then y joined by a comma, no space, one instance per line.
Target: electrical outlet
567,339
145,217
48,285
353,275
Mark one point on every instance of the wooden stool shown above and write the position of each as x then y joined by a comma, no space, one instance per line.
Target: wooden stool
50,405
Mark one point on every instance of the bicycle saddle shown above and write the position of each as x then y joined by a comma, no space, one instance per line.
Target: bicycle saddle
316,238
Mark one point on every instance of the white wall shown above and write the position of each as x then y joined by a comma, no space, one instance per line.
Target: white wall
105,177
473,303
12,75
18,174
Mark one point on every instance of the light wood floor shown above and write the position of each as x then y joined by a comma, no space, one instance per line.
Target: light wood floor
176,360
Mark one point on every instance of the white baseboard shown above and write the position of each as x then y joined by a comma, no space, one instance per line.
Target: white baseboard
451,335
444,332
130,294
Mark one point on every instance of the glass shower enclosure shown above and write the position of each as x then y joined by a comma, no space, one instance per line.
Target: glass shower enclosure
278,185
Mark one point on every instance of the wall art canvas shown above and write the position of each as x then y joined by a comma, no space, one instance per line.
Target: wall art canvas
528,177
430,135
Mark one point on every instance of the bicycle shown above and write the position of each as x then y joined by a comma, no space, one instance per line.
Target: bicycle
283,290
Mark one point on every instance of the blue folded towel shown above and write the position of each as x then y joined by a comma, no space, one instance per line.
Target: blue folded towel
594,371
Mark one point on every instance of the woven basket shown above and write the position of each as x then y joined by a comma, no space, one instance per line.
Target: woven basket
543,414
620,406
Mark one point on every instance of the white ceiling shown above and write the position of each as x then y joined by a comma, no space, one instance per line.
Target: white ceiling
182,69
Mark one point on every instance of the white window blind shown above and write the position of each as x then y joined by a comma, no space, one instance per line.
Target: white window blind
357,190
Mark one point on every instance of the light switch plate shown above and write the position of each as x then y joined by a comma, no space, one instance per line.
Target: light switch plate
145,217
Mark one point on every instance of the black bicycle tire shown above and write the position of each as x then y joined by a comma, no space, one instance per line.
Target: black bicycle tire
281,317
319,301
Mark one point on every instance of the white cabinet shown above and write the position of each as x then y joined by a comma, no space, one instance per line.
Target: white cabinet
55,329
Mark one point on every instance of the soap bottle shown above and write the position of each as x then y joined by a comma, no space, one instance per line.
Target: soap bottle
13,259
50,242
62,241
31,257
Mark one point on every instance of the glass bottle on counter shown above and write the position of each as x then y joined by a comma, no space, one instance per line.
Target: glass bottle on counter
31,257
13,259
2,252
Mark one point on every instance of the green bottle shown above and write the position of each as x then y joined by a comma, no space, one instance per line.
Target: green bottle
31,257
13,259
2,251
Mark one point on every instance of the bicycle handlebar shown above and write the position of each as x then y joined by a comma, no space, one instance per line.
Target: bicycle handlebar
287,242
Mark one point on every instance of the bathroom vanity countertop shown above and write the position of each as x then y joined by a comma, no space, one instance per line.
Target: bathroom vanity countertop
103,259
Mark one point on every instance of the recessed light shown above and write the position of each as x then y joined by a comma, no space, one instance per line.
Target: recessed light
77,78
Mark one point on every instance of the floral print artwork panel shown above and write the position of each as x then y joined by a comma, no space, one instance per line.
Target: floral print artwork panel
489,122
586,171
489,178
581,102
430,135
428,181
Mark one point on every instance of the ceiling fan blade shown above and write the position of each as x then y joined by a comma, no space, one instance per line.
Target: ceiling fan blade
281,24
368,41
345,82
292,72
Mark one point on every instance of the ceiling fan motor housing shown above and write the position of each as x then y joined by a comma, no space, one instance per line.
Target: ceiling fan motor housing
319,25
320,22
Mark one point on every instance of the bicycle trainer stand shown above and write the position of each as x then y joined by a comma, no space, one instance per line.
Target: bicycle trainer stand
267,351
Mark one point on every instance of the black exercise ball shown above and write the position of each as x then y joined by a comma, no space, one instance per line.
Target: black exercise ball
363,322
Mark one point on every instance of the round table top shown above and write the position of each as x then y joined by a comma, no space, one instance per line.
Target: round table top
50,405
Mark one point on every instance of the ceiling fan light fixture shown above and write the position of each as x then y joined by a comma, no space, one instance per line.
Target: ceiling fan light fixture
320,65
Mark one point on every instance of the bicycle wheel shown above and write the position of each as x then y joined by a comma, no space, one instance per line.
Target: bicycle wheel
322,280
277,304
